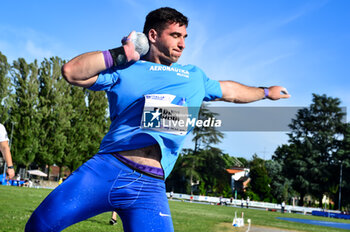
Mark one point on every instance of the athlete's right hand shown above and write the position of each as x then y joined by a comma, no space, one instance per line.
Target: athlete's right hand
129,47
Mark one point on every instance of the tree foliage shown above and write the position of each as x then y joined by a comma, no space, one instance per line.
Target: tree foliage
24,113
281,186
5,89
311,156
260,180
209,172
343,157
53,122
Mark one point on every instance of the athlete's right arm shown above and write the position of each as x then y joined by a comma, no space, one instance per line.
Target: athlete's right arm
84,69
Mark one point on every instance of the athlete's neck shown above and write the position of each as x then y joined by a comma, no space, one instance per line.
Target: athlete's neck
152,57
157,61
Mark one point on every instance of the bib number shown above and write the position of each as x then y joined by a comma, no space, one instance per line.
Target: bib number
165,113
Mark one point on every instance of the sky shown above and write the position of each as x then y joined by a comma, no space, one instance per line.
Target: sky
302,45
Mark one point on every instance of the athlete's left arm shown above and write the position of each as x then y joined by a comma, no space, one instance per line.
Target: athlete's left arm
239,93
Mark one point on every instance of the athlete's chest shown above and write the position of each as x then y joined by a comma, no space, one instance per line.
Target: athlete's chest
159,79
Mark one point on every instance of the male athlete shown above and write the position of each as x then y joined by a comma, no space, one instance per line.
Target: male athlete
127,175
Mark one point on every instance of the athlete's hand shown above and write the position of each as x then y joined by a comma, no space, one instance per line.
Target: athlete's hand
129,47
277,92
10,173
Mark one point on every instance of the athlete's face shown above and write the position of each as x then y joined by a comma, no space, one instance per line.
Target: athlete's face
170,43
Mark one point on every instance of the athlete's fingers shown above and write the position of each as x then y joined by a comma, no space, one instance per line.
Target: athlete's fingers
284,90
284,93
278,92
129,47
126,39
285,96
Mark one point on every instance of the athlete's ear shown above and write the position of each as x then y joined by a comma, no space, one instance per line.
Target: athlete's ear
152,35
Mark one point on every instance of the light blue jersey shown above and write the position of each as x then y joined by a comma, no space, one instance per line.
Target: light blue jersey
127,90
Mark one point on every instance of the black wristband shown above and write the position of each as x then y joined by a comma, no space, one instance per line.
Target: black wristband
10,167
118,56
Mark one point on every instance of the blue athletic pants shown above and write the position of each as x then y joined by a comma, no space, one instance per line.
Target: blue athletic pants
105,184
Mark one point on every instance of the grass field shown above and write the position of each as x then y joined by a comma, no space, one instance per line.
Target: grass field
17,204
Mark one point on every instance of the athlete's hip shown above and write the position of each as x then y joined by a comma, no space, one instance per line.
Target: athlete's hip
131,188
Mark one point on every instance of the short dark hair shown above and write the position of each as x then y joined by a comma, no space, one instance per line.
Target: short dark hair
160,18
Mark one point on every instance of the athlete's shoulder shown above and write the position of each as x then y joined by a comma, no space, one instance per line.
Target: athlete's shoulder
140,65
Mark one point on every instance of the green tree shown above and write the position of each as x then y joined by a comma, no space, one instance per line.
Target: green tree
77,135
281,187
55,110
294,167
213,172
178,178
190,163
210,172
343,158
310,157
231,161
316,132
54,122
5,89
204,137
260,181
24,113
97,121
243,161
